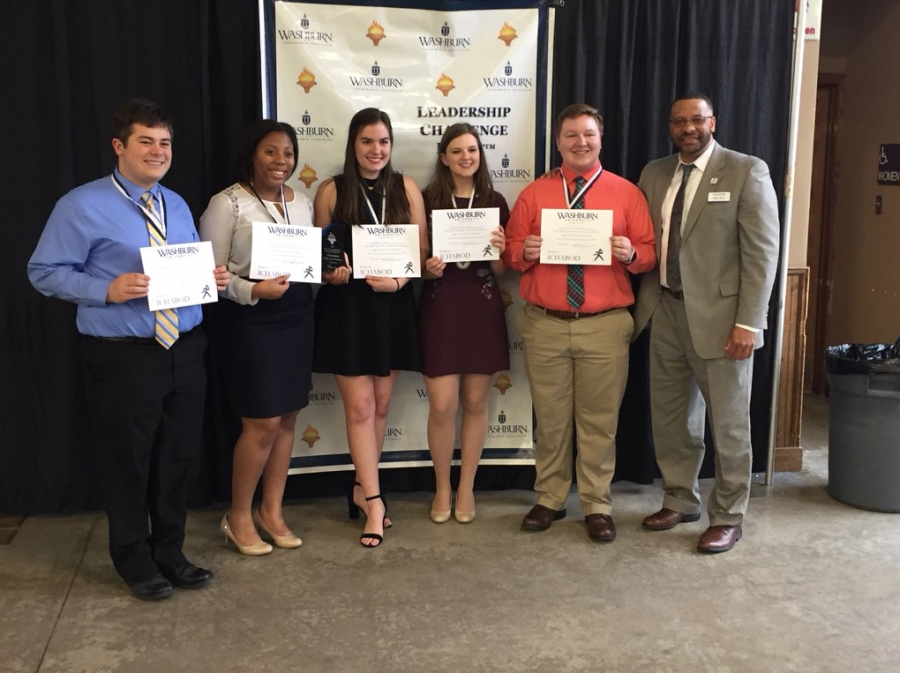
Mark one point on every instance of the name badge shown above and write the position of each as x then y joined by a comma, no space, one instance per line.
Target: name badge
719,197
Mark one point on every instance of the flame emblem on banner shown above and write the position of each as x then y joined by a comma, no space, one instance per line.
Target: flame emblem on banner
306,79
375,33
310,436
307,175
503,383
444,84
507,34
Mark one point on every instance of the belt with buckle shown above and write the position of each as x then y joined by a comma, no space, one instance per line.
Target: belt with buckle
568,315
677,294
139,341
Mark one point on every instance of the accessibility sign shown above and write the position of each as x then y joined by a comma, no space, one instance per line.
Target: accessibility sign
889,165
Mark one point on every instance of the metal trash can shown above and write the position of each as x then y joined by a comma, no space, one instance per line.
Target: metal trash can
864,425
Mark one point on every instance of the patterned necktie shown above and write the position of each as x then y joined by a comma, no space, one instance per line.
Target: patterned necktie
166,328
673,261
575,274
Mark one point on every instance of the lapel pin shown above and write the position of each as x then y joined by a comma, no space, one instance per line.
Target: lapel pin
714,181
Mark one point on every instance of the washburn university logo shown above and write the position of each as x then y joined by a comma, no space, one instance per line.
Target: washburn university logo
444,84
305,36
376,33
502,383
507,82
310,131
510,173
507,34
306,79
307,175
504,429
376,80
310,436
444,42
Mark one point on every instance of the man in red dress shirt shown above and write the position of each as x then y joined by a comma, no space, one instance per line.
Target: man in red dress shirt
576,325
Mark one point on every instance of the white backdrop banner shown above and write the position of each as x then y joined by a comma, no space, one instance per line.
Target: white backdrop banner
427,69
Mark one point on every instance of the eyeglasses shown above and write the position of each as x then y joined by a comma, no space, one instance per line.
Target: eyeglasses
678,122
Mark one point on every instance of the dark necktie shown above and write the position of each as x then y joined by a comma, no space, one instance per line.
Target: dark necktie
575,274
673,262
166,325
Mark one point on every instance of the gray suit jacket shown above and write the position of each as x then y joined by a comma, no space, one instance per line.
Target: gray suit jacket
729,250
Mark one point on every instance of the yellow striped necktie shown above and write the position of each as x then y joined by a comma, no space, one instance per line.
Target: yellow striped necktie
166,328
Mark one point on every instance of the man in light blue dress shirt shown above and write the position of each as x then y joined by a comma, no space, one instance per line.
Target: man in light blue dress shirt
146,398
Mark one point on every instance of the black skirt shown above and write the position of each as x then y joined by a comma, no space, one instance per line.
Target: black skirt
268,352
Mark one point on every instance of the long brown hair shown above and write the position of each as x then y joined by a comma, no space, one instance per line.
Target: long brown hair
346,208
439,192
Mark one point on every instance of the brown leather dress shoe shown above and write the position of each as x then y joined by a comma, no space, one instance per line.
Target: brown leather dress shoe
540,518
600,527
666,518
717,539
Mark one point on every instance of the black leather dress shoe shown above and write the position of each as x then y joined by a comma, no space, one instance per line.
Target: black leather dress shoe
188,576
540,518
600,527
151,588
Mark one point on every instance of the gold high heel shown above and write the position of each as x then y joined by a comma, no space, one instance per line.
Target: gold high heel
463,517
289,541
256,549
440,516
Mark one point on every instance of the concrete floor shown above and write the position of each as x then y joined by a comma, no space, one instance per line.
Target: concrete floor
812,587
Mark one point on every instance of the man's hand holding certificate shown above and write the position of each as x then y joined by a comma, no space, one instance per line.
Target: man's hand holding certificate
180,275
386,251
464,235
283,249
576,237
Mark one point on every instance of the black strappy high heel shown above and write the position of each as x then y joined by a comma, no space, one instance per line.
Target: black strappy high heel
353,509
374,536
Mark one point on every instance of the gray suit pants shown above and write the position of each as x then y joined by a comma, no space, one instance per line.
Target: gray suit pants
683,387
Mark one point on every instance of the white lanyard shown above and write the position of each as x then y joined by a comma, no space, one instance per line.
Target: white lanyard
287,216
158,219
372,210
587,186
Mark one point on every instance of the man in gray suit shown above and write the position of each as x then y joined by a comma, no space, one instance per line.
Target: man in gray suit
716,220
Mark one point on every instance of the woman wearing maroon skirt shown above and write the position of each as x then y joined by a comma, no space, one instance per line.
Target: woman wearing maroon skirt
462,327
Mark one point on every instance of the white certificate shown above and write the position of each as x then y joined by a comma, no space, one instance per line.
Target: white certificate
576,237
391,251
280,249
464,235
182,274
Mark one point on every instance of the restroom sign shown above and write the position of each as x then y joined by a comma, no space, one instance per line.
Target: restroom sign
889,165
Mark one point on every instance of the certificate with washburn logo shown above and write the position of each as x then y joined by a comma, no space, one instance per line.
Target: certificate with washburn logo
576,237
387,251
284,249
464,235
182,274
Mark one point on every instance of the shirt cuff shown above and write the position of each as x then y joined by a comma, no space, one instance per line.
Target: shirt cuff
755,330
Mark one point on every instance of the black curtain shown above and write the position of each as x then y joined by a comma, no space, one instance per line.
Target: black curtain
630,59
69,65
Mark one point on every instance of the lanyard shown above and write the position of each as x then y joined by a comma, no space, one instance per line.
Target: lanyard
375,219
587,186
157,219
287,215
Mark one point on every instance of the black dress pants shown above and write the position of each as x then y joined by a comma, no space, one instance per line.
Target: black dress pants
147,409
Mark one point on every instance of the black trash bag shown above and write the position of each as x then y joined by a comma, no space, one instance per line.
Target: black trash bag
863,358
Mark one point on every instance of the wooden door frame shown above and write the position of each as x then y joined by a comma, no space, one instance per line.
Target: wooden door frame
822,293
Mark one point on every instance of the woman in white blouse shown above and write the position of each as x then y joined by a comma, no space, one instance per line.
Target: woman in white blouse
265,335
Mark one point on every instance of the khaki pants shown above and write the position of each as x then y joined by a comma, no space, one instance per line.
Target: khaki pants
577,370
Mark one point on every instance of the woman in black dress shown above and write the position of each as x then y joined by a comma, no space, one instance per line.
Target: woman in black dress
366,328
266,340
462,326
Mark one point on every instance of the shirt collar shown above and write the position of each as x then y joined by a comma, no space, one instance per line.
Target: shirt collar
570,175
703,159
136,192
